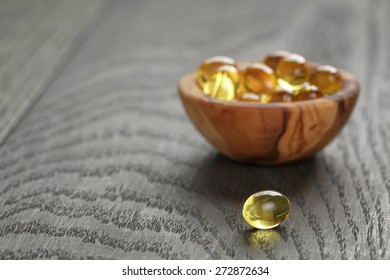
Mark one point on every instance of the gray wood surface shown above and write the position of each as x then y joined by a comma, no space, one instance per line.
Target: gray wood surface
37,38
107,165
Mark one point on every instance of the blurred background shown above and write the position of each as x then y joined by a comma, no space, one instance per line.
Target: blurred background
99,160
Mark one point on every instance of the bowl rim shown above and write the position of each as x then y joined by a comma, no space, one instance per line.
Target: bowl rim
350,88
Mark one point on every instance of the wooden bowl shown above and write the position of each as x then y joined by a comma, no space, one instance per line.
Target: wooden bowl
273,133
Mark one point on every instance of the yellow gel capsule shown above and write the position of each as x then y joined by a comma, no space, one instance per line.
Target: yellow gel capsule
259,78
266,209
272,60
241,71
265,97
308,92
255,98
208,68
249,97
223,83
281,95
327,79
292,72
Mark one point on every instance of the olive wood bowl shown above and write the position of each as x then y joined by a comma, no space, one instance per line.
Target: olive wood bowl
272,133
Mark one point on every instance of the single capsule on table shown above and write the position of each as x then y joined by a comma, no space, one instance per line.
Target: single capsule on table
327,79
292,72
207,69
223,83
272,60
266,209
260,79
308,92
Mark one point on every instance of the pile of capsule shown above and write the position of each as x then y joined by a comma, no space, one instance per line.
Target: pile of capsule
281,77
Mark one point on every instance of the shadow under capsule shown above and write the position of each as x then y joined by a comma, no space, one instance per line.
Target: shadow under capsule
225,178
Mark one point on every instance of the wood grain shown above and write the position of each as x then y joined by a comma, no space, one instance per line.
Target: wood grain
36,39
107,164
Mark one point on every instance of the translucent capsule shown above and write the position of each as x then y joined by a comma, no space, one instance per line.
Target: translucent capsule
272,60
241,67
207,69
266,209
253,97
259,78
223,83
249,97
281,95
327,79
265,97
292,72
308,92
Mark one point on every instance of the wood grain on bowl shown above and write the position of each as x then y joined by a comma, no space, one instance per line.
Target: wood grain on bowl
272,133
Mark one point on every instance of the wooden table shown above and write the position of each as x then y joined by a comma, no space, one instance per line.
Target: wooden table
99,160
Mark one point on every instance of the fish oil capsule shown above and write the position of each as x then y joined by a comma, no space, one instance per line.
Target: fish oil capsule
281,95
308,92
223,83
249,97
259,78
266,209
272,60
292,72
327,79
241,67
255,98
208,68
